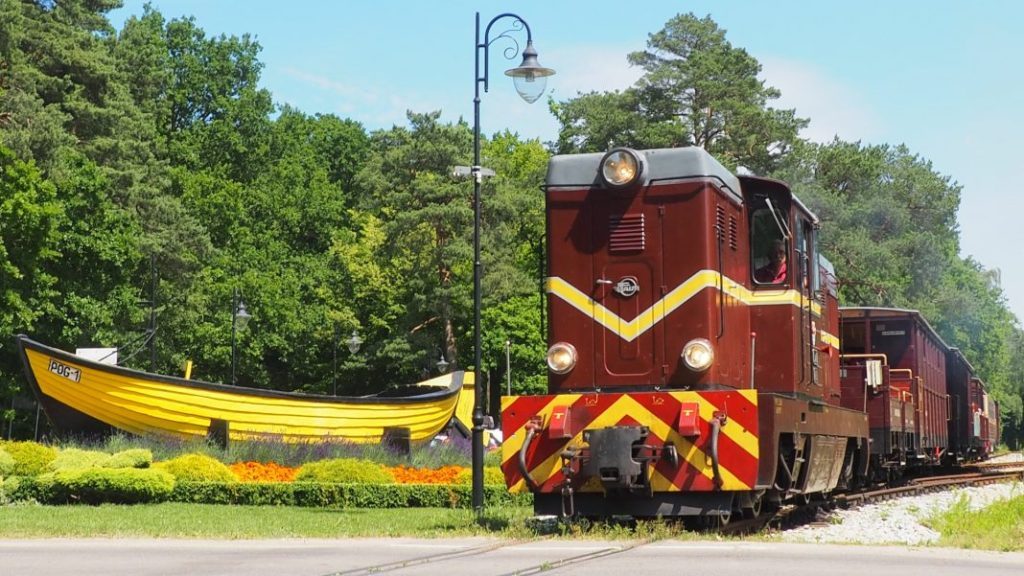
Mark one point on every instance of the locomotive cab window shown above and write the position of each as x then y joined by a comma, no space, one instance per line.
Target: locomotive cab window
769,247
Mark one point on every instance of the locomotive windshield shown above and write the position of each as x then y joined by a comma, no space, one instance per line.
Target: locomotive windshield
769,245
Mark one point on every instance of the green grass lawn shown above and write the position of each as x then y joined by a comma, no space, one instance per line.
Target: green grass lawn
175,520
997,527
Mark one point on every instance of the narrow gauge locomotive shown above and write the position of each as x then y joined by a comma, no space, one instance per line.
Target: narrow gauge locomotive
694,351
925,405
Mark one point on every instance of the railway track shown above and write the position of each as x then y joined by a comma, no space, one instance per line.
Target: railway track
542,555
795,515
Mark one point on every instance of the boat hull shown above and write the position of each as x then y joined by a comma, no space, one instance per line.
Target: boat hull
83,397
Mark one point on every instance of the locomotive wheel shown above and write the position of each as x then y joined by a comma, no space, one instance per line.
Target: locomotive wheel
753,509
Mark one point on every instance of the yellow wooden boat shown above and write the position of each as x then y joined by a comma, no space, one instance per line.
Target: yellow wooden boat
83,397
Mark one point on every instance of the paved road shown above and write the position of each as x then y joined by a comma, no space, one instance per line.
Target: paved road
481,556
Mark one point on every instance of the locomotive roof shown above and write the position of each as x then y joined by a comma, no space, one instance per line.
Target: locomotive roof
881,312
659,164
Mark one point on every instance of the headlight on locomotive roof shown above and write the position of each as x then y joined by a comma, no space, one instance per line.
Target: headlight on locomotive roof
561,357
621,168
698,354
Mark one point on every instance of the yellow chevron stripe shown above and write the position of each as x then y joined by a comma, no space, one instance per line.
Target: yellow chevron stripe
628,406
744,438
830,339
630,330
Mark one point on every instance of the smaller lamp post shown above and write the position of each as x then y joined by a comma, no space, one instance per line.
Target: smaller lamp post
354,341
239,318
442,364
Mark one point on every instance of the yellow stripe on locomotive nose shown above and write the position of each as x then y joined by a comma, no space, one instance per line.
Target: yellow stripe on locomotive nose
631,329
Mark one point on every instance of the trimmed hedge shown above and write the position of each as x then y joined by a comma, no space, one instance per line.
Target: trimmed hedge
95,486
244,493
332,495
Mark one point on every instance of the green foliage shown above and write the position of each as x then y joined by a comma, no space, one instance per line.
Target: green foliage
131,458
30,458
100,485
697,90
344,470
999,526
493,476
237,493
197,468
72,458
7,464
399,496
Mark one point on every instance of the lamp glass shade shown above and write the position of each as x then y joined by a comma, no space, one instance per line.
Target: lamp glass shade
242,315
354,342
530,78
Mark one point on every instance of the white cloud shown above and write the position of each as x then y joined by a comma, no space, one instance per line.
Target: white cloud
591,68
832,107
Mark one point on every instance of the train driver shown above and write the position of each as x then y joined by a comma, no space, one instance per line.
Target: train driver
774,272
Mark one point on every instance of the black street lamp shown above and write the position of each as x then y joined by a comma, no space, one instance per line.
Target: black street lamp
530,79
353,342
239,318
442,364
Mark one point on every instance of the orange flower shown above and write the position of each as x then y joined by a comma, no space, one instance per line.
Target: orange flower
260,472
442,475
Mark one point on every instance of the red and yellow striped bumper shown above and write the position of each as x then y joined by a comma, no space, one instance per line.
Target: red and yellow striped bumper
682,419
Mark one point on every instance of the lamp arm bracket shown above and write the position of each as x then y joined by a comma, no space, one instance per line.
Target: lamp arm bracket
511,52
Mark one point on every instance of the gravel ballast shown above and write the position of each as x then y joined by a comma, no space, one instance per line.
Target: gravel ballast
899,521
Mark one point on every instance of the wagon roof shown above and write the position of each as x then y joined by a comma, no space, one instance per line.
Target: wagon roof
883,312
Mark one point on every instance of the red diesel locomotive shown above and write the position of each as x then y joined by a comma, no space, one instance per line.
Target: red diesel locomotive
694,350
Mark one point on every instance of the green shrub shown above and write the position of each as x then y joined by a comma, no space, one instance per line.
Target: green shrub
345,470
73,458
6,464
103,485
131,458
400,496
493,476
241,493
197,468
30,458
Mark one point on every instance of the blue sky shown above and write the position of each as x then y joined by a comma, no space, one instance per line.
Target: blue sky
944,77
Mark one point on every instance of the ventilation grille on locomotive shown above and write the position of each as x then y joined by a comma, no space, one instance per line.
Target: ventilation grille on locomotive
627,233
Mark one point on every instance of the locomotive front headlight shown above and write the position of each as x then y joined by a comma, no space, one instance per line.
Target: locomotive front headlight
621,168
561,357
698,354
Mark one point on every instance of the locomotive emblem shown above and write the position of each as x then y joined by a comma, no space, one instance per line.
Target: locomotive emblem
627,287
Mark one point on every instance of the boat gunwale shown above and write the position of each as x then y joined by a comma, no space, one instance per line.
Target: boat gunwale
25,343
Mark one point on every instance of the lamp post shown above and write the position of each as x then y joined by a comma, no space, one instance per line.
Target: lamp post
239,318
353,342
530,79
442,364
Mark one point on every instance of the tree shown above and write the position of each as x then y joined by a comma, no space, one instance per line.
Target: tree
697,90
428,217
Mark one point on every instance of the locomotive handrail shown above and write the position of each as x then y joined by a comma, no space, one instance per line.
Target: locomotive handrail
882,357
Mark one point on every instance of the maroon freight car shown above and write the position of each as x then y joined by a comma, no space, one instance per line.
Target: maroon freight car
912,358
974,415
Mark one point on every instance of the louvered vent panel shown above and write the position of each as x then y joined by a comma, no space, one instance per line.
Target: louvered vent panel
733,233
626,233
